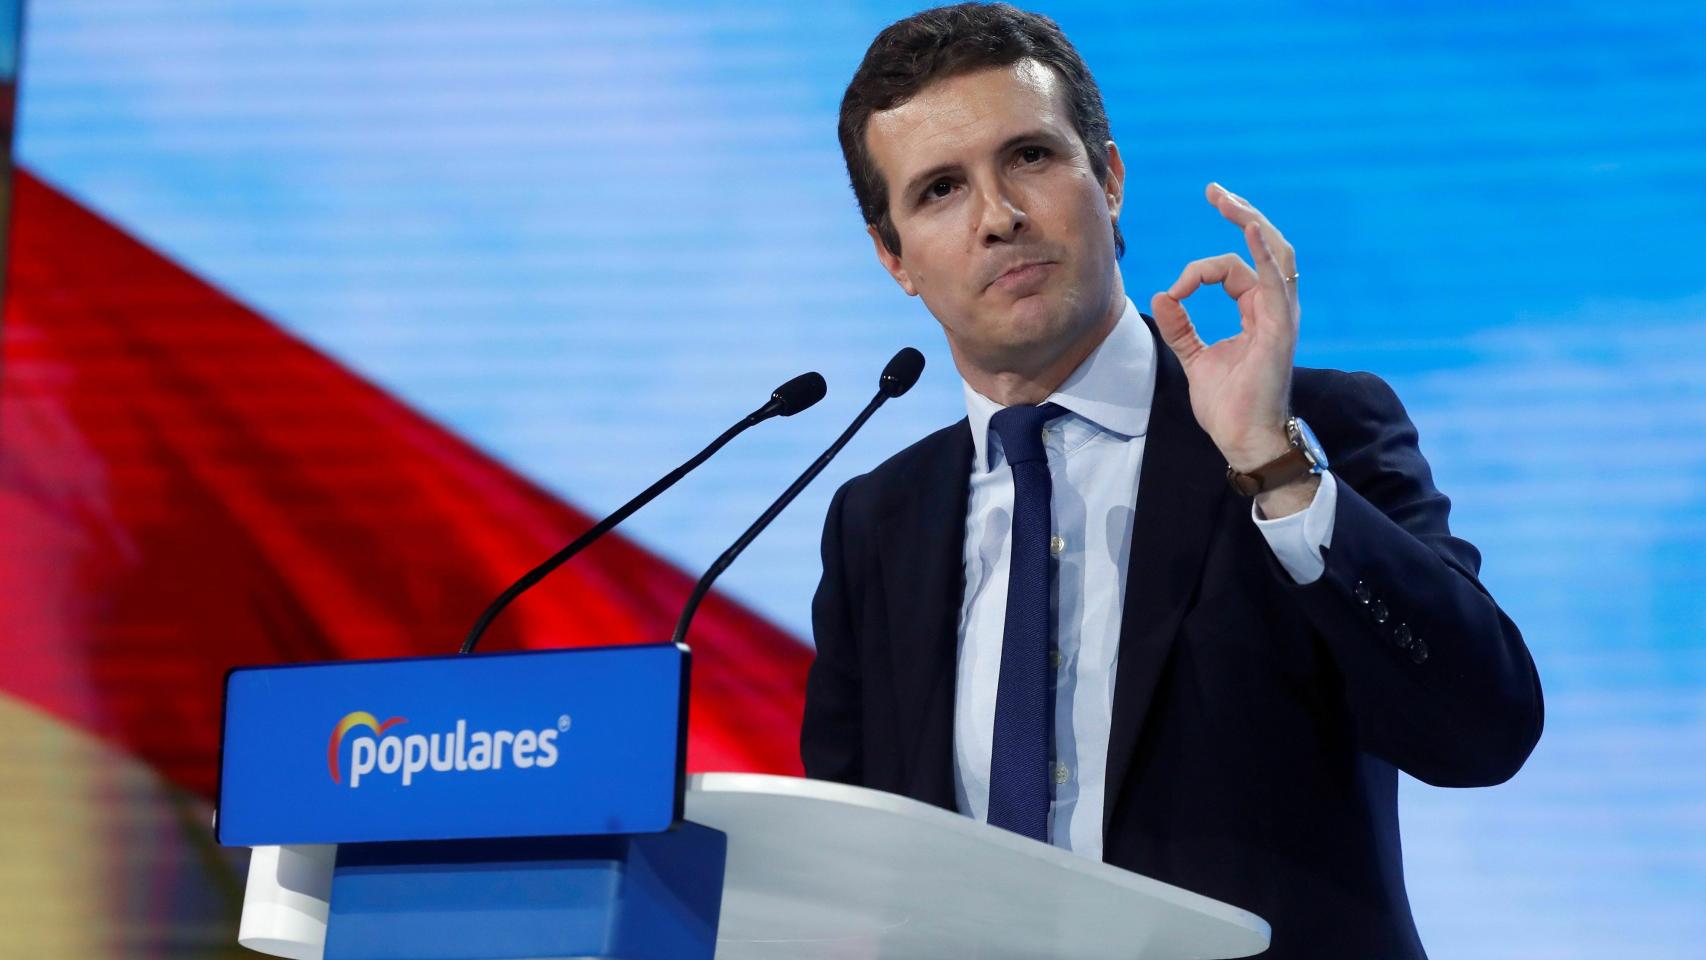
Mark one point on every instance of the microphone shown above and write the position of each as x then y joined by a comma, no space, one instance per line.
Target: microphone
788,399
898,377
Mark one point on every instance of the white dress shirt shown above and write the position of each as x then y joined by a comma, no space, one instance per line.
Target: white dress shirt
1094,456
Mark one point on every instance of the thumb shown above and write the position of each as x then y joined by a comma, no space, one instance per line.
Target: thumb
1176,328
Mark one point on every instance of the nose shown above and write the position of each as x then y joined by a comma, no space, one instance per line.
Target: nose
1001,219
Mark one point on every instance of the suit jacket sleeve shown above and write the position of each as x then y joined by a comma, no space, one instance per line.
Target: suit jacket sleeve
830,735
1437,678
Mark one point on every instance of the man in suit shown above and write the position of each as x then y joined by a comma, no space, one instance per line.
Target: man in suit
1131,605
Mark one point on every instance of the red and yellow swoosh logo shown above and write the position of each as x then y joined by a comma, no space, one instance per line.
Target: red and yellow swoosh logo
360,718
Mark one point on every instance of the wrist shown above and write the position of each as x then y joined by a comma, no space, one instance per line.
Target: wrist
1263,448
1300,457
1288,498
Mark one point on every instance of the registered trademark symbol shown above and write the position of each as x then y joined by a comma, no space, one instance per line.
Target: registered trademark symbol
563,723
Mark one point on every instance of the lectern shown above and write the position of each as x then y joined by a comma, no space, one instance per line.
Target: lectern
533,805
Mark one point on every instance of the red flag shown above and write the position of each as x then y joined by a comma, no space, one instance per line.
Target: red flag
185,487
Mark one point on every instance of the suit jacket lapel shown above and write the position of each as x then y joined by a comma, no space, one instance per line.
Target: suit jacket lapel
1181,482
921,538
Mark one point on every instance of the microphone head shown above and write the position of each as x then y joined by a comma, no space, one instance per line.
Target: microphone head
799,393
901,373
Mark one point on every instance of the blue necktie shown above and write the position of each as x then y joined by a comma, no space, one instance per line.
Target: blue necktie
1019,759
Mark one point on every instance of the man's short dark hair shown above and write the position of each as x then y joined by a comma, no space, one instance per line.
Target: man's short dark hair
944,42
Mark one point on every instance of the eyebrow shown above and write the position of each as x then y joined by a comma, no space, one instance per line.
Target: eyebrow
919,181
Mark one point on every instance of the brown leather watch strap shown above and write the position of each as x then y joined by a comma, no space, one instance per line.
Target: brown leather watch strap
1289,466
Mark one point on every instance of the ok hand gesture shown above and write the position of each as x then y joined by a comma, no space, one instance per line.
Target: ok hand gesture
1241,386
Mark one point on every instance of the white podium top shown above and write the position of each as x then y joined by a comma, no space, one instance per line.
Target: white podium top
824,871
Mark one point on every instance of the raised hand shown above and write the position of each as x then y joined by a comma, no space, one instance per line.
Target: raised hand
1240,386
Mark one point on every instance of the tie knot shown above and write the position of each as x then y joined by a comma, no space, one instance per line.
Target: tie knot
1021,430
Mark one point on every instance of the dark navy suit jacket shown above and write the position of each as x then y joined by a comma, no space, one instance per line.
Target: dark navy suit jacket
1257,724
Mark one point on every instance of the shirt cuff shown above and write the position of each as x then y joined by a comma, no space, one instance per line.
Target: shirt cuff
1297,540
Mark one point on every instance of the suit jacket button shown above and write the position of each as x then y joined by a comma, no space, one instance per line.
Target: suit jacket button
1401,636
1379,611
1361,592
1418,650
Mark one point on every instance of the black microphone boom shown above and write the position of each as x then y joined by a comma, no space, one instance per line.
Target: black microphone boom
898,377
788,399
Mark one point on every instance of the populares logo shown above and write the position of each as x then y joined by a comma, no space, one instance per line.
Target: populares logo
453,751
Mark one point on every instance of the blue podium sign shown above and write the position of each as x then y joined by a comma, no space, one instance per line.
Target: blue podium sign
548,743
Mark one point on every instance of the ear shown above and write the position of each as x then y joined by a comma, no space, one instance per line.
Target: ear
891,262
1115,187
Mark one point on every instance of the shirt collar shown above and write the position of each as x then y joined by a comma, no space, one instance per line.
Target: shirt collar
1112,388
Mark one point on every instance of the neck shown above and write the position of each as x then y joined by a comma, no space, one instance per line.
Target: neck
1018,382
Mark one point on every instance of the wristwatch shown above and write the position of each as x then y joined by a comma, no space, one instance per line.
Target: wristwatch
1304,457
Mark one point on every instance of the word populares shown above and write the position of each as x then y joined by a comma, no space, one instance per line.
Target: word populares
457,750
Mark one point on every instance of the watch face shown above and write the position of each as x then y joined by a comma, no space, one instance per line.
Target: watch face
1305,437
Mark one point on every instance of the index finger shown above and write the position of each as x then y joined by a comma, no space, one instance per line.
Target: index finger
1243,213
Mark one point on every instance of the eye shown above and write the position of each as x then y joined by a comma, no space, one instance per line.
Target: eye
938,190
1033,154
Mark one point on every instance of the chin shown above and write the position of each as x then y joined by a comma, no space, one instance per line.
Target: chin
1040,318
1005,335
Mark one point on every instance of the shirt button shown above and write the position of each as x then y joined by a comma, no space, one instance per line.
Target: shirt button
1061,773
1054,659
1056,545
1362,593
1418,650
1045,434
1379,611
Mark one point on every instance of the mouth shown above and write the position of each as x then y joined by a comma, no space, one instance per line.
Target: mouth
1023,277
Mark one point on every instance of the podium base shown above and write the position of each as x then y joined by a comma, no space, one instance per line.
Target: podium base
635,897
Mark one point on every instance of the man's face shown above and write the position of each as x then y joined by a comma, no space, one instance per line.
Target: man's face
1004,230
